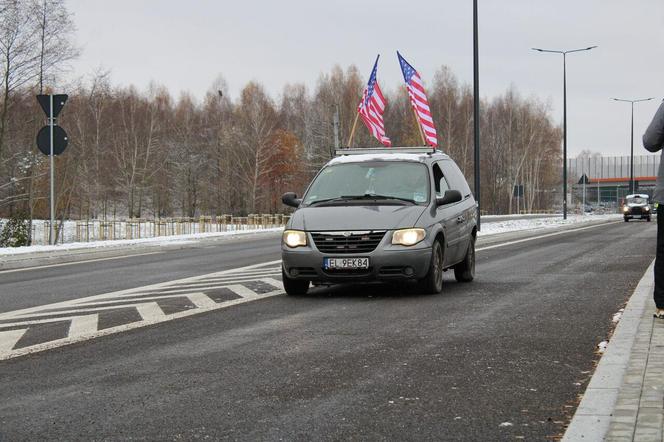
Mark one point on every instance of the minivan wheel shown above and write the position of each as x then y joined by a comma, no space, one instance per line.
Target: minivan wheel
433,282
294,287
465,270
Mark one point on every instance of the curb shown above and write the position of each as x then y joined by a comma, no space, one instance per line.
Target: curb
593,415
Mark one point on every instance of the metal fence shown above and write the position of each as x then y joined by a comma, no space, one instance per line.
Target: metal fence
103,230
613,167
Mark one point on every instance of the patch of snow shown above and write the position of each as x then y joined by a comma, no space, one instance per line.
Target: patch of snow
617,315
492,228
601,347
155,241
358,158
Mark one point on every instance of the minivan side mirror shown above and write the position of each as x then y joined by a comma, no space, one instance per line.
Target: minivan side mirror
291,199
451,196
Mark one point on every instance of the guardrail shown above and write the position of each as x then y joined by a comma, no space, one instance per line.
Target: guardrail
135,228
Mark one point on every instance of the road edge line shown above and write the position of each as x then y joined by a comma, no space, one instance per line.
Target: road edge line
592,418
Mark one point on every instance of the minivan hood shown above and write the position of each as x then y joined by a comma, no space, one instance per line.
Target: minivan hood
370,217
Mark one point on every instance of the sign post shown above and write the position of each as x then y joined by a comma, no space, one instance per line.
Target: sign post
52,140
51,236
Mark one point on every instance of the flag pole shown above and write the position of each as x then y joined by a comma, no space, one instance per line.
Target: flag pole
419,126
352,131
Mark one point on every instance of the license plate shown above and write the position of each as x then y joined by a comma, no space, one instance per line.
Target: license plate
346,263
636,216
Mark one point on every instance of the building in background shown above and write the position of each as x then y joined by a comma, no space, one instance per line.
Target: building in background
607,181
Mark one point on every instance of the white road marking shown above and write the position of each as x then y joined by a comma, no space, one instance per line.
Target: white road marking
83,325
25,269
201,300
84,321
150,311
146,289
273,282
533,238
243,291
9,338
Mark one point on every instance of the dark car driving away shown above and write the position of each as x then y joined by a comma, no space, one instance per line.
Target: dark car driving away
381,214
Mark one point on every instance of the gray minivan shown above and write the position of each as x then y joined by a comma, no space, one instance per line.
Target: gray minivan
381,214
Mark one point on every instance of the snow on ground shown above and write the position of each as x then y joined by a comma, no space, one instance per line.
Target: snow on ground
512,225
488,228
156,241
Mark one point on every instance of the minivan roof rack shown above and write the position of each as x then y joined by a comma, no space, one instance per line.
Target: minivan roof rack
360,151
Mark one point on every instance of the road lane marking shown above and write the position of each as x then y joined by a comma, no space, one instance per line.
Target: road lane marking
509,243
84,314
150,311
201,300
273,282
243,291
82,325
9,338
25,269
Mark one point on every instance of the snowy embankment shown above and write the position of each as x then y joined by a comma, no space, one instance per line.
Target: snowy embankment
488,228
155,241
491,228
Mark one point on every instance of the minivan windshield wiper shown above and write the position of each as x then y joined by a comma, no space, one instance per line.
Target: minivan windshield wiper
366,196
335,199
374,196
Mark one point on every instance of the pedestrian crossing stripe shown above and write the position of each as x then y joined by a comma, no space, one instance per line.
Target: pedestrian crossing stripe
192,296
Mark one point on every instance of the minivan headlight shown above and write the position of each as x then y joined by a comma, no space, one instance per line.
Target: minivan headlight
294,238
408,237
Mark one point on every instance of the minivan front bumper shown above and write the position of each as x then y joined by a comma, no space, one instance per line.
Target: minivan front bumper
386,262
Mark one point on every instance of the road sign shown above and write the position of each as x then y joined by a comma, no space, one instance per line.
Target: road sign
59,140
584,179
58,103
52,141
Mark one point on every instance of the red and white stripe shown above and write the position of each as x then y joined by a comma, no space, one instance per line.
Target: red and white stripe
372,115
418,99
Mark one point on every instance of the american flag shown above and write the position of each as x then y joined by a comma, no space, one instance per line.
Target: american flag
372,106
418,99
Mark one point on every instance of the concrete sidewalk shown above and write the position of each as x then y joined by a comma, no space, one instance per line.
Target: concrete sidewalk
624,400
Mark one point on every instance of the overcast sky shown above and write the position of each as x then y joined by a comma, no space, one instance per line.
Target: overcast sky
185,45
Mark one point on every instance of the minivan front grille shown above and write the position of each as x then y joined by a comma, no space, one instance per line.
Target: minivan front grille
347,242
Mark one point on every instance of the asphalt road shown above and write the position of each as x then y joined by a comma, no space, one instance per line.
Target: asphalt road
503,357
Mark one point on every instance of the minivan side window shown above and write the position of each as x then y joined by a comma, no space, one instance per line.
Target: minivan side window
455,177
439,181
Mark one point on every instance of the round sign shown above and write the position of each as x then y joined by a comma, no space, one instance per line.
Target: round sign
59,140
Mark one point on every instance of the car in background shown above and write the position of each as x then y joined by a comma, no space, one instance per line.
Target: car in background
637,206
381,214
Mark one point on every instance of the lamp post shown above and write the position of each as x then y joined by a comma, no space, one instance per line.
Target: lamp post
564,54
476,112
631,140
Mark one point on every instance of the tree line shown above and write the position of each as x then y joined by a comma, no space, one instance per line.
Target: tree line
143,153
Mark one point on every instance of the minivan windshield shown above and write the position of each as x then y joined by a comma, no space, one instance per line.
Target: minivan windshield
372,181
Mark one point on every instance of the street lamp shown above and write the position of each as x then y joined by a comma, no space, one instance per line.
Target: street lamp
564,53
476,112
631,160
